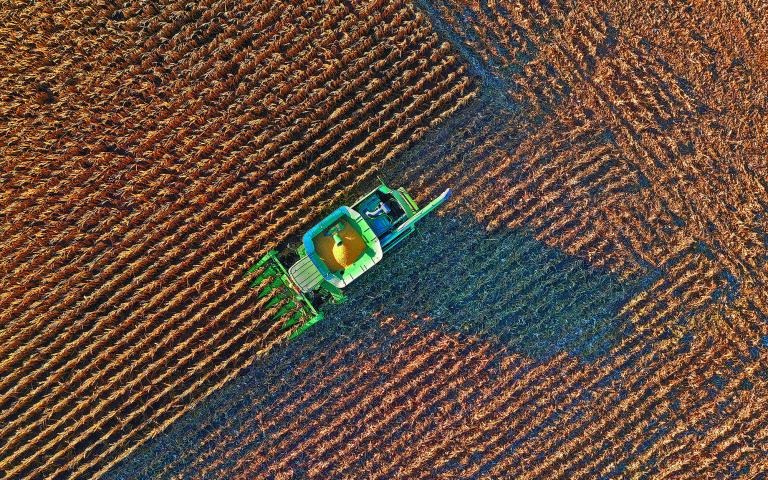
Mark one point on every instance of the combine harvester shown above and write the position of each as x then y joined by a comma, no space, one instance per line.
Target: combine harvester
336,251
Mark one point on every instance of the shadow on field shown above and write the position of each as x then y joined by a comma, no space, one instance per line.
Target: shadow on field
505,286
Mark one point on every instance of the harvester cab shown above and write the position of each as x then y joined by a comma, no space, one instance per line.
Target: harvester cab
336,251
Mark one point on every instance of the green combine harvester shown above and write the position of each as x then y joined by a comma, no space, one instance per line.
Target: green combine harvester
336,251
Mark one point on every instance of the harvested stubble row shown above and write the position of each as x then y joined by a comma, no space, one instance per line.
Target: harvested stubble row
636,164
143,171
438,394
680,194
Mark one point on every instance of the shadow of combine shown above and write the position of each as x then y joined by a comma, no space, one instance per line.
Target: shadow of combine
505,286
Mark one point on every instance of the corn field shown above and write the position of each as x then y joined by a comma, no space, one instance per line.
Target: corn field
150,153
592,303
